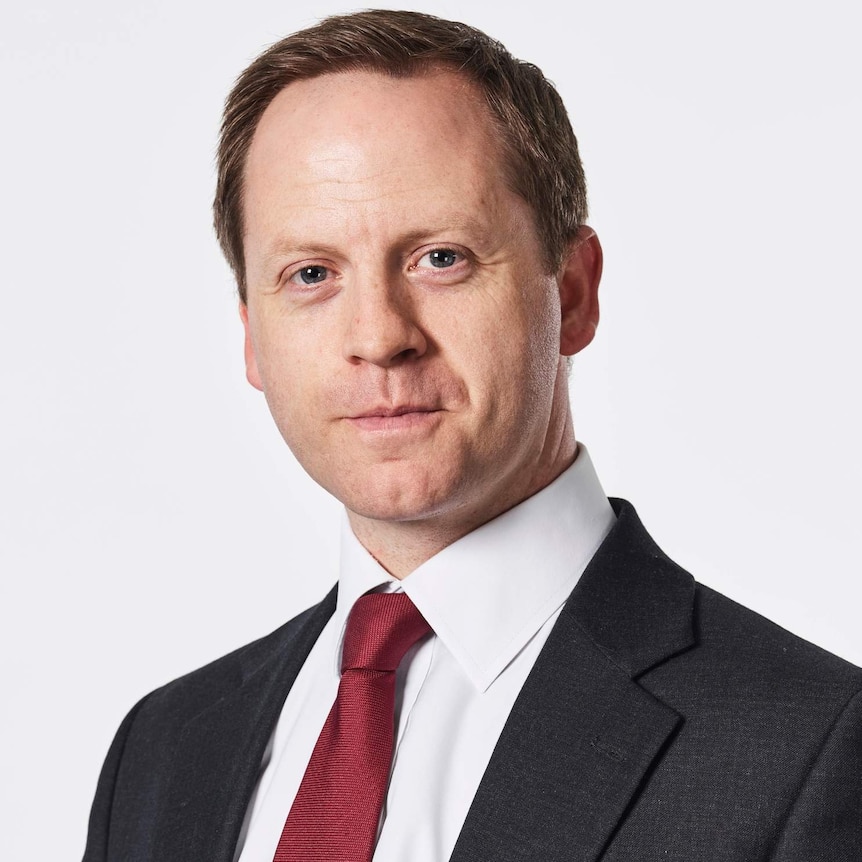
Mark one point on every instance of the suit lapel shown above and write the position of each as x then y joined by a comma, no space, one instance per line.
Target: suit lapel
577,747
220,751
582,735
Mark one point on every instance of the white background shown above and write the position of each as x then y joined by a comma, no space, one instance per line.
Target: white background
152,518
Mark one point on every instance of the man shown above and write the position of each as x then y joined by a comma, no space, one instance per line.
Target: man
403,206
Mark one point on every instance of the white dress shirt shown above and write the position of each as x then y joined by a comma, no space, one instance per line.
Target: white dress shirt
491,598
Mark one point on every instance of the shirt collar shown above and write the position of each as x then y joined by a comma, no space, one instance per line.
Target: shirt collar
486,595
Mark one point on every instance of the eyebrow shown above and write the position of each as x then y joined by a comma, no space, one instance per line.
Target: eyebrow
464,224
287,244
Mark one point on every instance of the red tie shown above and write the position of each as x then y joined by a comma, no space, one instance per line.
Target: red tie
336,812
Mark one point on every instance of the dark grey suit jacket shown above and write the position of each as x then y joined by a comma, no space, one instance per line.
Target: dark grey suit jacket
660,722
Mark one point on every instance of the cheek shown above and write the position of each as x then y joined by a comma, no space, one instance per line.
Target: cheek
291,349
291,385
507,351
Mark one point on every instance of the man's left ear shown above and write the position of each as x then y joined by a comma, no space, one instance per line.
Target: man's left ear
251,371
579,291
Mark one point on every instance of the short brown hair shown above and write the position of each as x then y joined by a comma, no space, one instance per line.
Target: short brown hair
543,164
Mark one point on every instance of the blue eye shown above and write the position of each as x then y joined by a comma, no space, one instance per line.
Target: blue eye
311,275
442,257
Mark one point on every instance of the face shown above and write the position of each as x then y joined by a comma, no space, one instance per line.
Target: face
399,319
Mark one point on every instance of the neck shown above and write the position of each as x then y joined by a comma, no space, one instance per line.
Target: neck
402,546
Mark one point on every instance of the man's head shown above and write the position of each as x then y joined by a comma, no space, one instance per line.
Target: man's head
539,149
402,315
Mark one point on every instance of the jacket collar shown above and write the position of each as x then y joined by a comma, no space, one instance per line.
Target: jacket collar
583,735
633,601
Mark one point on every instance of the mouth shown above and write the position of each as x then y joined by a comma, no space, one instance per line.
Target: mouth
405,417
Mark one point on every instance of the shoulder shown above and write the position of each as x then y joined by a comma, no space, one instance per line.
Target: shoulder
753,653
722,632
175,733
698,649
749,687
183,698
724,620
768,731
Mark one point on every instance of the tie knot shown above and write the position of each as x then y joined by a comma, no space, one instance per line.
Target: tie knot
380,629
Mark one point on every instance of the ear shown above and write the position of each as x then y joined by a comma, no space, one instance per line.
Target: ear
579,291
251,372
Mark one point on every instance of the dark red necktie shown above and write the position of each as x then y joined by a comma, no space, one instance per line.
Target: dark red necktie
336,812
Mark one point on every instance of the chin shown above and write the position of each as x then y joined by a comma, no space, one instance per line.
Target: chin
400,496
400,508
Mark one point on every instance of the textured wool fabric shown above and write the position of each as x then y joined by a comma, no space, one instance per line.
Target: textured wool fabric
662,722
335,814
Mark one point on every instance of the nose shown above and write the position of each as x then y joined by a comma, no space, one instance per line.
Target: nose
382,325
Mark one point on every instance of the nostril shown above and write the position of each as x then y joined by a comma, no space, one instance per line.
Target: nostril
393,339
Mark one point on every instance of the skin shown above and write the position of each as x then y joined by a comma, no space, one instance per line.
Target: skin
399,319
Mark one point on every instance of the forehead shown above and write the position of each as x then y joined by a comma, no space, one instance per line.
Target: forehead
355,136
365,101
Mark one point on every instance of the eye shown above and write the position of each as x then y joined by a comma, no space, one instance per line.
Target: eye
310,275
439,258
